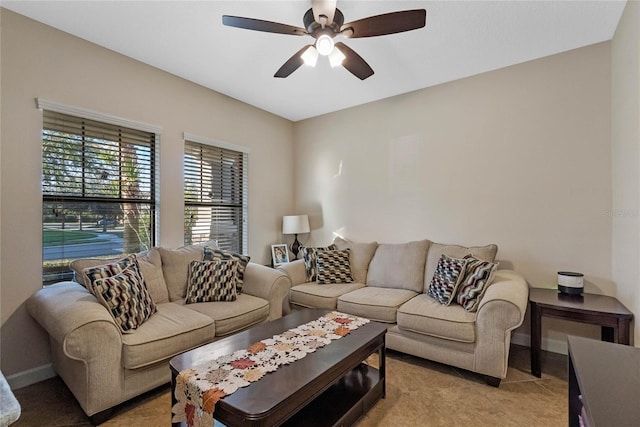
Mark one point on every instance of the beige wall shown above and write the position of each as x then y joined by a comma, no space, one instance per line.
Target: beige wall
625,256
38,61
520,157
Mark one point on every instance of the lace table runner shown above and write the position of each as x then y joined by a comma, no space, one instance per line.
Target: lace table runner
198,389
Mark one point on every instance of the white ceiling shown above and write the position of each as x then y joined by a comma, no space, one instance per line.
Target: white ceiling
461,38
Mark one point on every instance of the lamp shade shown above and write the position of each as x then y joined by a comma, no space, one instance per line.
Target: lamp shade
295,224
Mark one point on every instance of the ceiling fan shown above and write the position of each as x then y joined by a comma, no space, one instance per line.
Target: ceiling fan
324,22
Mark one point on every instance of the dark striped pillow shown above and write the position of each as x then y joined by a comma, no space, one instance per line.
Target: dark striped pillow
478,276
333,267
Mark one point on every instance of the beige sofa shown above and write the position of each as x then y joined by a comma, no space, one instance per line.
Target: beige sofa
391,283
104,367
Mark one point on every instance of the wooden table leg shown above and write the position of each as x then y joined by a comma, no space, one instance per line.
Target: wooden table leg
536,338
382,366
624,331
173,396
608,334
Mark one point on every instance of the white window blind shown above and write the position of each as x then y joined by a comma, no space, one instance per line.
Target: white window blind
215,195
98,191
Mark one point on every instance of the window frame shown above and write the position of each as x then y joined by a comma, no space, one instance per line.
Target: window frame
152,178
244,178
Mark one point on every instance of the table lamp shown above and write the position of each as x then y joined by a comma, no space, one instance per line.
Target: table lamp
295,224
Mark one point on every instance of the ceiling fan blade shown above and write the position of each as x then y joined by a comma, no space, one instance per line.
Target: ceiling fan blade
292,64
354,62
260,25
323,7
387,23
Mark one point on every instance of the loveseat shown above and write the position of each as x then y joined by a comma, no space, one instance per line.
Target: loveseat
390,283
102,366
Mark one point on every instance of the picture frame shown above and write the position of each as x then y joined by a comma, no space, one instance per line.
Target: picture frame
279,254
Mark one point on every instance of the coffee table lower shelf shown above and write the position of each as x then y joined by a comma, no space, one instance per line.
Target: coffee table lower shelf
345,402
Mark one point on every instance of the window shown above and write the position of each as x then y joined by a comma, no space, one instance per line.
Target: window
215,194
98,191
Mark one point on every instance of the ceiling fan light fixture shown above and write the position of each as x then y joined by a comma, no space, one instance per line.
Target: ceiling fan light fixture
336,57
310,56
324,45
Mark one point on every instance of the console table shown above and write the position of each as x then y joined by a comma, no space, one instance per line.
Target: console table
608,312
604,380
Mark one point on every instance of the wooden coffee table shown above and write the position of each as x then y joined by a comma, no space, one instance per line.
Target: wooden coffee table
328,387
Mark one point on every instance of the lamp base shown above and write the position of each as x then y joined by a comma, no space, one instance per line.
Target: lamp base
295,247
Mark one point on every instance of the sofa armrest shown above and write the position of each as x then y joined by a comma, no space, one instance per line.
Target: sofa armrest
296,272
510,287
500,311
85,343
269,284
66,306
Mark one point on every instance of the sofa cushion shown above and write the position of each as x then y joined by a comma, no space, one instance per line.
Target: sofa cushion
399,266
151,268
172,330
215,254
375,303
448,276
175,266
333,267
229,318
320,296
309,256
425,315
126,298
212,281
360,255
478,276
485,253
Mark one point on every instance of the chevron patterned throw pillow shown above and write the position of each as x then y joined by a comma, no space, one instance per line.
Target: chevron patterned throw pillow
478,276
333,267
214,254
310,255
212,281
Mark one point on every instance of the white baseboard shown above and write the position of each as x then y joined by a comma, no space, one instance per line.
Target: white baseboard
554,346
31,376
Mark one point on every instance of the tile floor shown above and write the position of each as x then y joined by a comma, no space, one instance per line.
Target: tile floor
419,393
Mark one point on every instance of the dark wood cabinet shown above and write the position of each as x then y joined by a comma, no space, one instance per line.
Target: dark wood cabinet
604,383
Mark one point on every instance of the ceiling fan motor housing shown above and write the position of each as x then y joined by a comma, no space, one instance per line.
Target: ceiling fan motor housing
314,28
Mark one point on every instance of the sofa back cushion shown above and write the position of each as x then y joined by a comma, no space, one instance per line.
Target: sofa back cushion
360,255
175,266
484,253
151,268
399,266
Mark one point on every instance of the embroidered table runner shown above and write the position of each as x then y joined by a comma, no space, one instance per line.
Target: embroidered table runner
199,388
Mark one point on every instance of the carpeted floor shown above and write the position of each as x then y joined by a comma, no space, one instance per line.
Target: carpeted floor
419,393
